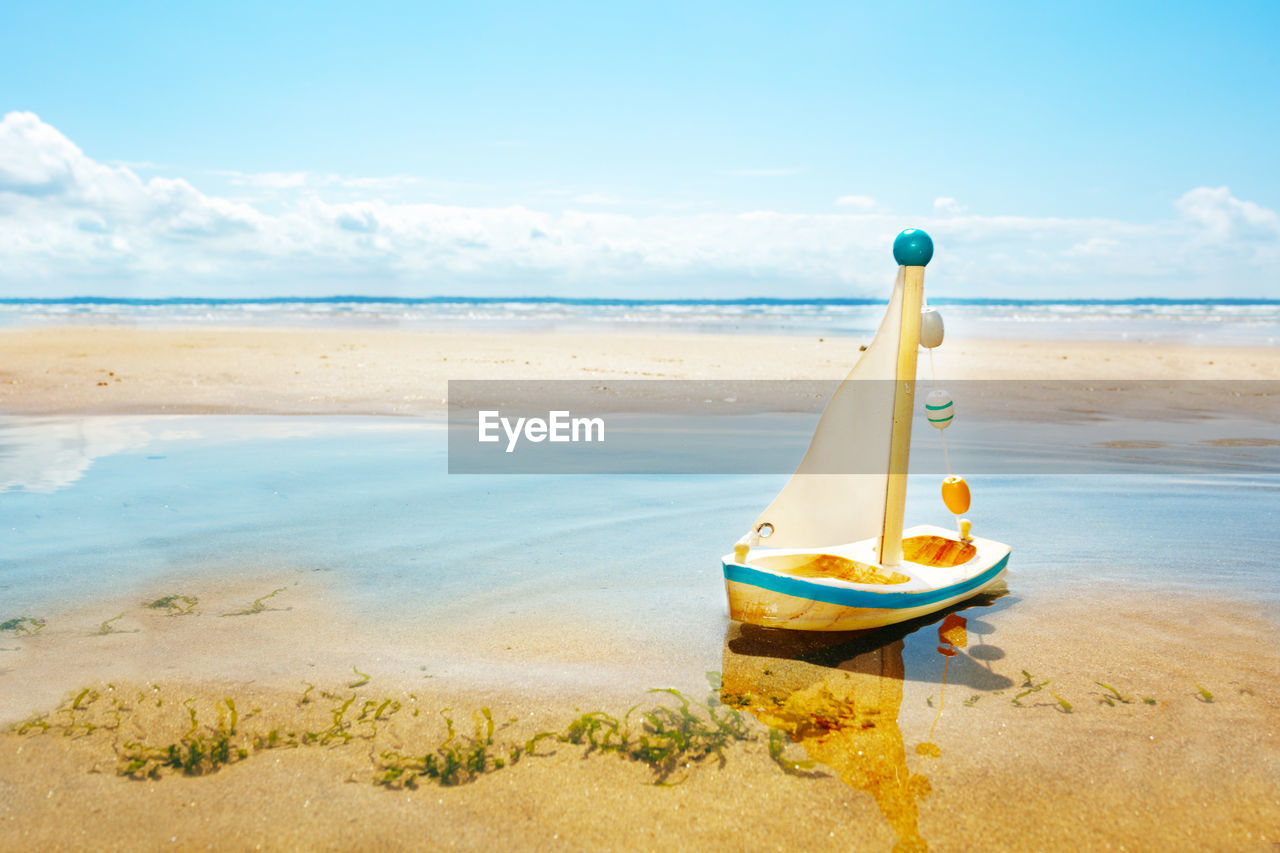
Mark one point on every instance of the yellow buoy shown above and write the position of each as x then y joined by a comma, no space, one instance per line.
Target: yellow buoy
955,494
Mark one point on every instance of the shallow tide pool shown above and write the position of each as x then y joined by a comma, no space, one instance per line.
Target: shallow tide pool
91,505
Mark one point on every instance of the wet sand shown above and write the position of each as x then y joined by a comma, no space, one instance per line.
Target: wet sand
911,747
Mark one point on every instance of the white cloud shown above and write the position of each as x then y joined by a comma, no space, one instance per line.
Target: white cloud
857,202
947,206
70,224
1095,246
1226,218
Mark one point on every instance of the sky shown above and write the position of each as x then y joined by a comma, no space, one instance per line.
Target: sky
638,150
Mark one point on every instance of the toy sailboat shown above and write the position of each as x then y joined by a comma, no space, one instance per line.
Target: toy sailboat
830,552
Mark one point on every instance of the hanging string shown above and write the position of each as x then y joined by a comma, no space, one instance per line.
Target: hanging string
945,458
942,434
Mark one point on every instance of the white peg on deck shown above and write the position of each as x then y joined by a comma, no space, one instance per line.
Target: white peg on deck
749,540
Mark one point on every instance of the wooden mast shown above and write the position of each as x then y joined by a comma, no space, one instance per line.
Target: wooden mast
913,249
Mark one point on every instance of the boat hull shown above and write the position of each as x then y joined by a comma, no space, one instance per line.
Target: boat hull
773,600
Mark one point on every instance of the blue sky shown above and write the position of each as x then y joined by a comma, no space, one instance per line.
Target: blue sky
583,149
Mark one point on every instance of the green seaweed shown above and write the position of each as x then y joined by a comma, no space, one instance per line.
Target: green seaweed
374,711
194,754
105,627
1063,704
973,700
1205,696
451,763
258,605
72,718
667,738
670,737
338,730
1030,687
36,722
364,678
176,604
23,626
777,744
1115,695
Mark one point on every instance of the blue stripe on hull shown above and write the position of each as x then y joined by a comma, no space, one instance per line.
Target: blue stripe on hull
857,597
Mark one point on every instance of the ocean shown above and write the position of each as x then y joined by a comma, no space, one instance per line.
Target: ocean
1190,321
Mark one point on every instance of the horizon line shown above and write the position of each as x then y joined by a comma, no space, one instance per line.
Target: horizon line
577,300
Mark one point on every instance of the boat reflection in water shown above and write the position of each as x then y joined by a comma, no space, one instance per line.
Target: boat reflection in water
838,696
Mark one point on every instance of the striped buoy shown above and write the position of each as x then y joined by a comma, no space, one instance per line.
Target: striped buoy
939,408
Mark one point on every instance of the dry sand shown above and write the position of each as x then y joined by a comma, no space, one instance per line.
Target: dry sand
113,369
1179,772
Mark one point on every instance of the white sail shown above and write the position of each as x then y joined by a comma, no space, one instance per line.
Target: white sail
818,508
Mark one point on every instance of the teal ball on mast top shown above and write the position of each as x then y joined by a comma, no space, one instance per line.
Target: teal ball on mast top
913,248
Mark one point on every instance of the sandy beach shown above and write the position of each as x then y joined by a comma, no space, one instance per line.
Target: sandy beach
112,369
1110,718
